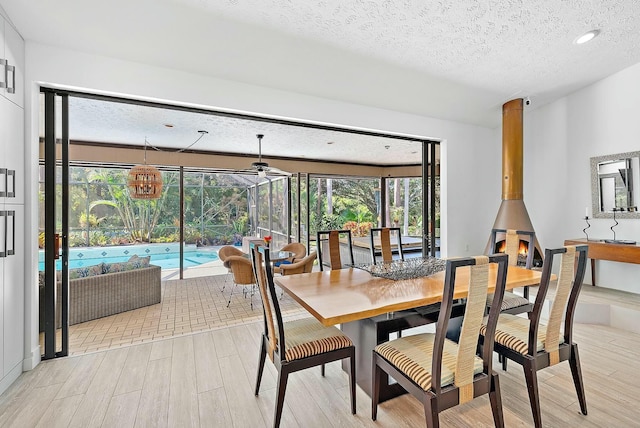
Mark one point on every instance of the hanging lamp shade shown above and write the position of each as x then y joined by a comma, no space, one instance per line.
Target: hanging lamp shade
145,181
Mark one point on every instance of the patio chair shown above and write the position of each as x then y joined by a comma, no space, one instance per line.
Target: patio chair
534,345
332,238
304,265
295,345
512,302
243,275
439,372
224,253
299,252
386,250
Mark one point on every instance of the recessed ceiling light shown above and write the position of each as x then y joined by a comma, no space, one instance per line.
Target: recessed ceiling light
588,36
168,125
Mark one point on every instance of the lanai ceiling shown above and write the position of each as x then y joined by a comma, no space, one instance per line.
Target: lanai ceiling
455,60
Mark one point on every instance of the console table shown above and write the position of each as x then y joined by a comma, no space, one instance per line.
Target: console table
600,250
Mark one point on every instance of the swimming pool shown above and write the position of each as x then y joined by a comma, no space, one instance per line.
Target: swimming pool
167,256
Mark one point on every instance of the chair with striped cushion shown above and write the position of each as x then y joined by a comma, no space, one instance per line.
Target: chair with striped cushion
534,345
385,245
512,302
330,240
295,345
442,373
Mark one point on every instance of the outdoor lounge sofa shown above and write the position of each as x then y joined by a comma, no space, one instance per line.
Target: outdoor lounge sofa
107,289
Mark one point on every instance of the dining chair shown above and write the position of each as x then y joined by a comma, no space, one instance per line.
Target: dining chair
333,238
512,302
386,250
534,345
242,272
442,373
299,251
298,344
223,254
304,265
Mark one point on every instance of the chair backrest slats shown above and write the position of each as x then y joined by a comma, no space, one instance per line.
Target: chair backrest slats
274,326
386,249
334,247
569,283
474,311
558,307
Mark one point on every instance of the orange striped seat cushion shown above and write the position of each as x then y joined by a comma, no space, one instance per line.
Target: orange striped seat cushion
513,332
307,337
413,355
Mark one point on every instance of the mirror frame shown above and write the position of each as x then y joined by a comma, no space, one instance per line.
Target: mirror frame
595,193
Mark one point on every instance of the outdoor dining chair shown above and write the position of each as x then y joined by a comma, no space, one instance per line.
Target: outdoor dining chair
224,253
304,265
534,345
298,344
242,272
442,373
299,252
332,238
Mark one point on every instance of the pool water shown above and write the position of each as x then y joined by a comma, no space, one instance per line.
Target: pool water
169,258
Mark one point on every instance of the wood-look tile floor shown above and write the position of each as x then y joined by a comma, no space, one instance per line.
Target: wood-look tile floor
206,380
187,306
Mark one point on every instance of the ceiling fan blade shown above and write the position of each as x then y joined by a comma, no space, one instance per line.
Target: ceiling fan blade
274,170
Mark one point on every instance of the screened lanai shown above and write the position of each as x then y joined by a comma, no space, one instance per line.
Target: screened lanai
317,177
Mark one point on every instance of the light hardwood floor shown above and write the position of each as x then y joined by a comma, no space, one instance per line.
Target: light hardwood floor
206,379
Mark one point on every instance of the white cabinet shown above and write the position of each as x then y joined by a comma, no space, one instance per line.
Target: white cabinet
11,153
13,289
11,64
12,281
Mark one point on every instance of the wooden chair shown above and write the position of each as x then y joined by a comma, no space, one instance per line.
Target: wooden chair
512,302
386,249
333,240
304,265
535,345
442,373
299,252
224,253
242,272
295,345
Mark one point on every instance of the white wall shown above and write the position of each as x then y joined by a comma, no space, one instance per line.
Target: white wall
560,138
472,195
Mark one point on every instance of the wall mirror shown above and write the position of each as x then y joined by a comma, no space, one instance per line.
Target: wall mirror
615,184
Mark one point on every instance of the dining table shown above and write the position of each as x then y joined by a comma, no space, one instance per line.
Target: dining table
367,306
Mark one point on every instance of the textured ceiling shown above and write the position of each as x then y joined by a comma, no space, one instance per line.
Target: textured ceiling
108,122
455,60
509,46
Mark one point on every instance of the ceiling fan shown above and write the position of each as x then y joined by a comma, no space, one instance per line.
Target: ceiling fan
263,168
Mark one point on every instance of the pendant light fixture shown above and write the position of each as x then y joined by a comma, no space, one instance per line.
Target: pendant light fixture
145,181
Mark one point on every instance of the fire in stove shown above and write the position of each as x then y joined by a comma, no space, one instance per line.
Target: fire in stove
523,251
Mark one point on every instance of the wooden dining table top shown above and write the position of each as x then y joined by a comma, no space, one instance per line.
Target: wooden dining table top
344,295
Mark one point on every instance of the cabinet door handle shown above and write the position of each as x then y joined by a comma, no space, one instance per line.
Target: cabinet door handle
3,233
3,62
11,68
3,182
11,183
11,216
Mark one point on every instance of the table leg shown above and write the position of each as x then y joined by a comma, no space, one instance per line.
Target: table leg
593,272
